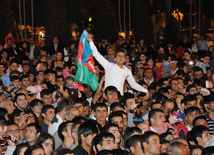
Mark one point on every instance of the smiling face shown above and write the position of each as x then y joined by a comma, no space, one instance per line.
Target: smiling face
120,58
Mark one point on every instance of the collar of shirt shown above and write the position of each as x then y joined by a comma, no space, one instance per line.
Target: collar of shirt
149,82
173,72
59,118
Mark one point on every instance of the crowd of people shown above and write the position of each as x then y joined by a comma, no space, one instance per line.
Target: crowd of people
149,101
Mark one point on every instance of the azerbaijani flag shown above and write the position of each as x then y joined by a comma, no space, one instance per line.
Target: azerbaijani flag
86,70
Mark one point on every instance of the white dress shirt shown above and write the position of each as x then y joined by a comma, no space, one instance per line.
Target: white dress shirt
54,127
114,75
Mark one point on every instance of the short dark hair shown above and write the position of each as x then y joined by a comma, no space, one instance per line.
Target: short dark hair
2,121
208,150
13,61
35,102
13,78
17,95
81,101
98,139
19,147
101,105
62,128
78,119
189,87
152,114
114,114
64,151
197,118
128,96
107,127
45,92
191,109
23,77
197,131
154,103
45,108
105,152
145,137
86,129
62,104
111,89
196,69
30,149
37,127
189,98
128,133
165,101
116,104
134,140
3,112
37,73
43,137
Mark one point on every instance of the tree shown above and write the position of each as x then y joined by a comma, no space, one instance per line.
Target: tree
57,24
6,20
142,20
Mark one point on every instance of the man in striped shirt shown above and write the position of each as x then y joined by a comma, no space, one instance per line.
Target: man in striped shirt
210,115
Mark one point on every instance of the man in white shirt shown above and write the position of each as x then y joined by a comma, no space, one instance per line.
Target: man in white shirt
116,73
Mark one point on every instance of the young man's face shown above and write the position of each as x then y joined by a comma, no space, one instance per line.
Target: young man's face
107,144
13,130
40,76
2,68
9,106
30,134
81,109
116,133
47,99
16,83
88,139
201,122
168,107
21,102
198,74
31,77
13,67
25,82
39,151
26,68
119,121
148,74
49,115
120,58
193,91
191,103
153,147
205,137
137,150
191,116
50,76
60,82
174,85
101,113
112,97
129,103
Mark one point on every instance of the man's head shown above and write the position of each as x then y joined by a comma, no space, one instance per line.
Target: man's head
13,65
156,117
46,97
36,106
174,85
168,105
111,50
189,101
81,103
32,131
3,126
211,103
116,118
191,89
20,101
150,143
71,112
15,81
208,150
111,94
62,105
64,130
114,129
148,73
35,150
200,120
144,127
24,79
120,58
60,80
173,65
55,40
40,76
177,148
117,106
134,143
48,112
129,100
197,72
50,75
25,68
104,141
191,113
8,105
200,135
13,130
86,132
101,112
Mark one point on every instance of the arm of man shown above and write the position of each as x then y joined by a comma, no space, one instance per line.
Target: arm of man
134,84
105,63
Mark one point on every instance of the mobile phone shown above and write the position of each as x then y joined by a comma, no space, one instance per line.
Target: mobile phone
73,93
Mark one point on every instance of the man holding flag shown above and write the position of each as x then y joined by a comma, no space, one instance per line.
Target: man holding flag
116,73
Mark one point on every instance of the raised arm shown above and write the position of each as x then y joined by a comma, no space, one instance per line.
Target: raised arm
105,63
134,84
